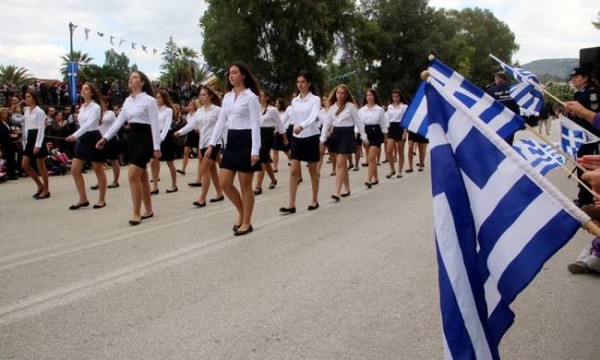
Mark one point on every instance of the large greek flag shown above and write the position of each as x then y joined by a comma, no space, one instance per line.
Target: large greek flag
541,157
479,102
497,221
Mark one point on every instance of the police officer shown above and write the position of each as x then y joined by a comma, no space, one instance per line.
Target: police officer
587,95
501,92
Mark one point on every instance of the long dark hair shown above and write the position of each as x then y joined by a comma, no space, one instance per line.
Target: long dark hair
96,97
214,97
167,101
249,80
308,77
34,96
280,104
374,93
147,87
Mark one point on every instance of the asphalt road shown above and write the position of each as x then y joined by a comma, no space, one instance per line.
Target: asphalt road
352,280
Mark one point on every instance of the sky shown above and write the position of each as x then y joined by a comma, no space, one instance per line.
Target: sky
35,33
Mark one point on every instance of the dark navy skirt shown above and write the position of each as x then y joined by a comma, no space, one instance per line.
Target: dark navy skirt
140,147
31,137
236,156
342,141
395,132
374,135
85,147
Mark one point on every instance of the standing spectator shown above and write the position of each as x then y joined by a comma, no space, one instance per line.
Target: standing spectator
9,149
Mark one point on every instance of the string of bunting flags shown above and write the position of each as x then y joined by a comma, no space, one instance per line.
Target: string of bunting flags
113,40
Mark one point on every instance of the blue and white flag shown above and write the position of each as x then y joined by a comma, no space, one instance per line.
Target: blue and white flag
519,74
572,136
542,157
527,97
468,94
497,221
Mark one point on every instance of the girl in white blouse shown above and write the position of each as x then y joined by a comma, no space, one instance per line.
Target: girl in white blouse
342,118
205,119
88,134
143,141
396,134
167,142
372,116
305,141
241,115
34,124
270,122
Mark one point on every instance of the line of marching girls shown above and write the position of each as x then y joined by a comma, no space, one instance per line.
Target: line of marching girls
236,136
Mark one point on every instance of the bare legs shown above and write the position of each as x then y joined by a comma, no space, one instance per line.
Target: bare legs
243,199
43,186
391,146
155,169
209,172
77,173
139,186
341,175
372,155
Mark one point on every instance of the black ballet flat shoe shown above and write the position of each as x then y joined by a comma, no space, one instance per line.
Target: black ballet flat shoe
175,189
384,161
199,204
181,172
287,210
300,180
148,216
364,164
135,222
409,170
94,187
368,184
239,232
332,173
313,207
356,169
257,191
399,176
80,205
375,182
275,170
99,206
351,166
220,198
420,169
112,186
36,194
272,185
335,197
388,176
236,227
154,192
41,197
195,184
345,194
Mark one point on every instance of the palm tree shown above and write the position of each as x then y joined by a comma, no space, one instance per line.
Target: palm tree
82,58
16,75
185,66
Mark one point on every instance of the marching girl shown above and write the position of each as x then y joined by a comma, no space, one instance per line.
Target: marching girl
304,144
167,141
206,119
112,148
278,144
191,141
269,123
342,118
396,138
88,134
372,116
241,115
143,141
34,125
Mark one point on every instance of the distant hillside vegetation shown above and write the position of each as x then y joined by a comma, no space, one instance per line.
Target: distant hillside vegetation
552,69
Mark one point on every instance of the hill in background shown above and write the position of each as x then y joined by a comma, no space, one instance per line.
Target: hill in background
552,69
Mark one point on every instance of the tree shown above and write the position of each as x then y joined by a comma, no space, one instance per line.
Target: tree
186,65
169,55
18,76
276,38
116,66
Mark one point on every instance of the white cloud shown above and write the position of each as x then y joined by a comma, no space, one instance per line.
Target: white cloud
548,29
35,33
